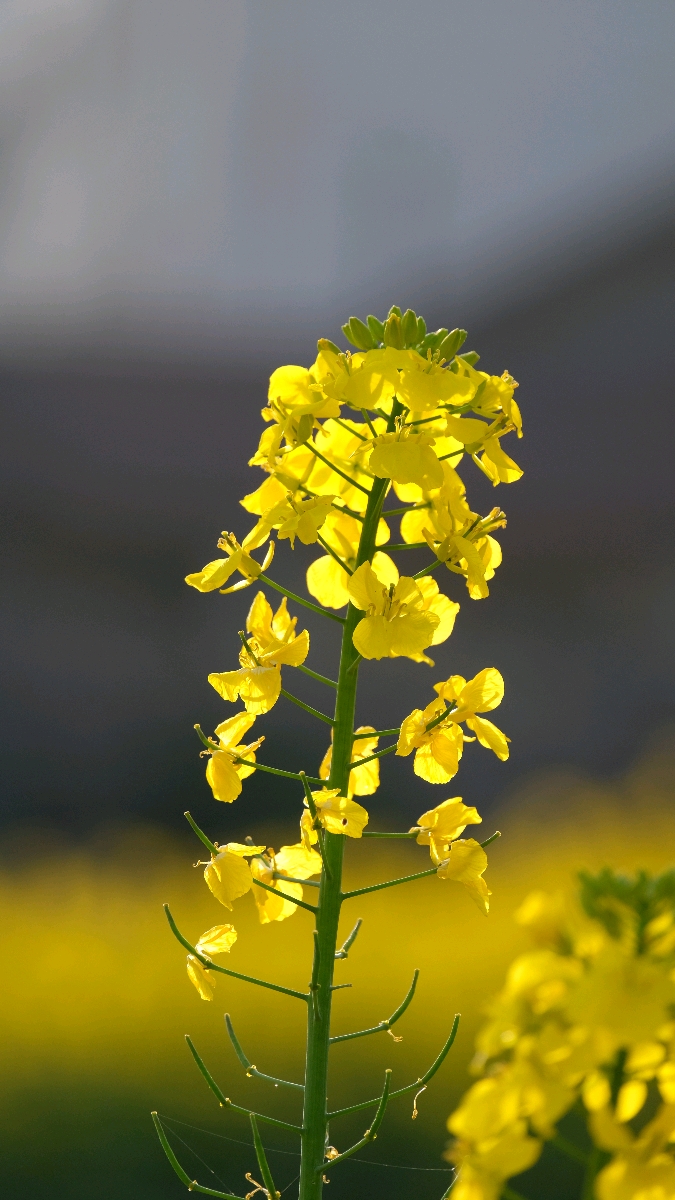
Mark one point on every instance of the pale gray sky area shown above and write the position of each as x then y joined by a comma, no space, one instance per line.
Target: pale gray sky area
194,164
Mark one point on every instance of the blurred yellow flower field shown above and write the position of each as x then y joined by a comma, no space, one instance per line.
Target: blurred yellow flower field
96,1000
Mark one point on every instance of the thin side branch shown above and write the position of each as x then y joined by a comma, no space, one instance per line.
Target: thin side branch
200,833
347,945
333,553
191,1184
272,1192
275,771
300,903
307,707
378,733
211,966
315,675
377,887
312,447
225,1101
411,1087
250,1067
383,1025
371,1133
299,600
378,754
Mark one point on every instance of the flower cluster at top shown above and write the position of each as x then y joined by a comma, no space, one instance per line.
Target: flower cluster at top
403,411
585,1019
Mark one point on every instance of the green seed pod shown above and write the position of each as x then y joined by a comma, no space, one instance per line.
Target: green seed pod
432,340
421,329
376,328
358,334
393,334
409,327
452,343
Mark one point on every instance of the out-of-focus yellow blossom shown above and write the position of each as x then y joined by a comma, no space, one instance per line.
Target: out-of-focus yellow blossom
439,749
396,622
442,824
217,940
298,862
338,814
584,1015
465,864
227,874
216,573
366,780
406,458
326,580
292,518
223,773
273,642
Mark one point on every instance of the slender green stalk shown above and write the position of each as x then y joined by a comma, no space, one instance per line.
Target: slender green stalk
360,762
200,834
409,546
315,675
307,707
347,945
334,554
315,1117
246,762
377,887
272,1192
211,966
413,834
378,733
191,1184
427,570
277,892
383,1026
312,447
411,1087
250,1067
225,1101
299,600
370,1133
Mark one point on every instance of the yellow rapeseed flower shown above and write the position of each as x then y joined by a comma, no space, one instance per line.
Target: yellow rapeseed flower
465,864
439,749
291,518
337,814
273,642
443,824
396,622
299,862
216,573
227,874
223,773
326,579
366,780
406,458
217,940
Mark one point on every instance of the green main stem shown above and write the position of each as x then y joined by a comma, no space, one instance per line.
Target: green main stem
315,1119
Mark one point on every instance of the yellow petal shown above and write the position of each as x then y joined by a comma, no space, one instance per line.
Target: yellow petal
338,814
466,864
449,819
213,575
596,1092
200,977
298,860
231,731
437,761
270,492
259,619
407,461
222,777
482,693
365,589
228,876
630,1100
291,653
327,582
217,940
258,687
489,736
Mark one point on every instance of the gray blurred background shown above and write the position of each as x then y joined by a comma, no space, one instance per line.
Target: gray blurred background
191,194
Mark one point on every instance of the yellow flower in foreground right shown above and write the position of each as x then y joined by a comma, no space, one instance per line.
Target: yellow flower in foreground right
217,940
396,623
465,865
